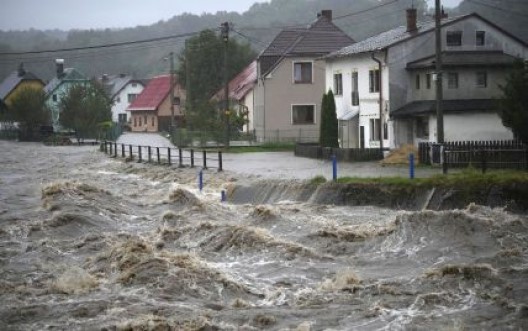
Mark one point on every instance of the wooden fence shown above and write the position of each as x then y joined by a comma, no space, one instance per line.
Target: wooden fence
163,155
506,154
315,151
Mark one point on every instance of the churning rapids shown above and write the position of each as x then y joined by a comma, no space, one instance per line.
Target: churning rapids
92,243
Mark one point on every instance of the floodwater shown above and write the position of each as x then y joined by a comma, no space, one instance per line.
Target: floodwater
92,243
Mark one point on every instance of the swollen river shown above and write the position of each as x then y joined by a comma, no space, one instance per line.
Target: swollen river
88,242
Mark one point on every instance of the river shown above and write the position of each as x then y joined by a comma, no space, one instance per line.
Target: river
88,242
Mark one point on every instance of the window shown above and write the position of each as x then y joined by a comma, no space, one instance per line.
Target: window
176,101
374,81
146,120
135,123
454,38
303,114
54,97
355,93
122,118
482,79
428,81
417,83
118,100
338,84
480,38
302,72
374,129
422,127
134,84
152,122
131,97
452,80
139,118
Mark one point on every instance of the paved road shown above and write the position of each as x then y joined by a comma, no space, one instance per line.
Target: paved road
284,165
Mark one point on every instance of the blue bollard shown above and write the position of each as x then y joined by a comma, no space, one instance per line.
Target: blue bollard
223,196
334,168
200,180
411,166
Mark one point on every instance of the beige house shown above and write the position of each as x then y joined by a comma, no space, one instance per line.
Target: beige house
291,81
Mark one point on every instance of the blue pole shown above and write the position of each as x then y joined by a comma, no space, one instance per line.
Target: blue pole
200,180
223,194
411,165
334,168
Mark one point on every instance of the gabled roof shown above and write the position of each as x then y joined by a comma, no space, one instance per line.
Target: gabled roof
466,59
12,81
392,37
425,107
153,95
113,84
70,74
318,39
241,84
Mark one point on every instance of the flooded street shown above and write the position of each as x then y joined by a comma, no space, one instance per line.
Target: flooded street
88,242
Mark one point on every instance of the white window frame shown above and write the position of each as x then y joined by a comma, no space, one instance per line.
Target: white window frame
452,34
304,104
355,88
338,83
293,71
477,38
374,84
457,80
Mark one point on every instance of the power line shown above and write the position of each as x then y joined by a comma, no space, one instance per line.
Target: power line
509,12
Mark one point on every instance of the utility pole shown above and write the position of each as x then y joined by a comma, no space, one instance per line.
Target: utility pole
225,37
187,83
171,59
439,89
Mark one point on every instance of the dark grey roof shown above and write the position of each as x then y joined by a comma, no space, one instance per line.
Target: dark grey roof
466,59
70,74
13,80
318,39
113,84
425,107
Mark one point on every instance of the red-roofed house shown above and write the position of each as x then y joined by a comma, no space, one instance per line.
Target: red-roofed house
151,111
241,93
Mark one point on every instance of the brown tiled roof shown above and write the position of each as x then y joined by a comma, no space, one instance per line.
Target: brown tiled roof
241,84
153,95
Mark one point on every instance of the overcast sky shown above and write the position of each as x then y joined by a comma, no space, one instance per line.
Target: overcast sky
86,14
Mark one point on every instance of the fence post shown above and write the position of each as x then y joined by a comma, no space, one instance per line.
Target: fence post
411,166
444,162
180,158
149,154
115,149
334,168
169,155
140,158
106,147
483,161
192,158
204,156
200,180
220,161
130,152
157,152
123,151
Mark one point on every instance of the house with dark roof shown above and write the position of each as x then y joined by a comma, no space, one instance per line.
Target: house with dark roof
241,94
291,80
384,86
151,111
123,90
58,87
16,82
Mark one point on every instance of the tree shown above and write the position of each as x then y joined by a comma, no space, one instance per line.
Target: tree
329,125
86,109
513,105
28,109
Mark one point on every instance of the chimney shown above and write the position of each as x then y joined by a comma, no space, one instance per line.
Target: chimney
326,13
59,63
104,78
411,20
21,70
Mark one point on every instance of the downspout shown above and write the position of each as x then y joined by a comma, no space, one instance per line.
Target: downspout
380,101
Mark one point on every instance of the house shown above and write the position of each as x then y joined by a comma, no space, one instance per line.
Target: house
16,82
122,90
151,110
58,87
385,86
291,80
241,94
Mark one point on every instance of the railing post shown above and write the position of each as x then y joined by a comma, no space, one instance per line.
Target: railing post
334,168
123,151
483,161
200,180
220,168
169,155
115,149
149,154
204,155
157,152
130,152
140,158
444,162
192,158
180,158
411,166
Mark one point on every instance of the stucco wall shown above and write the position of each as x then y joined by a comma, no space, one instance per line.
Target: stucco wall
119,107
33,84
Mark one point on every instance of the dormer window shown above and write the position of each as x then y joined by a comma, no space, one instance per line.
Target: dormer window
480,38
454,38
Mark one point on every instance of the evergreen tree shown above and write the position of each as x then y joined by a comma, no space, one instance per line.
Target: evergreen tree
513,105
329,124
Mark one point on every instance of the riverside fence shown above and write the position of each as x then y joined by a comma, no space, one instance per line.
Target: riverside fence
484,155
164,155
314,151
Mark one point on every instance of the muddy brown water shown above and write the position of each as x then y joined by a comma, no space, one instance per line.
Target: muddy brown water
92,243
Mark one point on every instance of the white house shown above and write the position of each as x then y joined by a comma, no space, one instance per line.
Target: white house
123,90
399,104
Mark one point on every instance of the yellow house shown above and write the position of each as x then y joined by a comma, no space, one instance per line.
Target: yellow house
17,81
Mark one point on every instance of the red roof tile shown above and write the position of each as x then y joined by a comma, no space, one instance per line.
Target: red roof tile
241,84
153,95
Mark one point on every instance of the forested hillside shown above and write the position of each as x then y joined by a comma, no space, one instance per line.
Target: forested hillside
257,26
